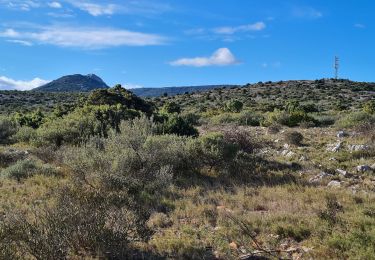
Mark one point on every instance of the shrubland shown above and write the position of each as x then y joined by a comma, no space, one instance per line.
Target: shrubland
263,171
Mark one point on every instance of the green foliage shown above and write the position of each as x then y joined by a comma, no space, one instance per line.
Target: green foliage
216,152
171,108
294,138
297,232
178,126
331,213
77,127
248,118
25,134
340,105
33,120
27,168
354,119
291,119
369,107
119,96
7,129
292,106
234,106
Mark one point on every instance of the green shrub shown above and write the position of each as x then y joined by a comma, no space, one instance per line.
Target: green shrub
250,118
27,168
234,106
192,118
33,120
325,120
294,138
178,126
291,119
119,96
215,152
77,127
298,233
354,119
369,107
7,129
25,134
171,108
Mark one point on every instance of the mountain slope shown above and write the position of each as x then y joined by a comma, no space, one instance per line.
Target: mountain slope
74,83
172,91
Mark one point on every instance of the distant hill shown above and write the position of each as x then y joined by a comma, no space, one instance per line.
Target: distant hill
172,91
74,83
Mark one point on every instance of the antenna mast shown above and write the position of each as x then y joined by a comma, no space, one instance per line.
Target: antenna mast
337,67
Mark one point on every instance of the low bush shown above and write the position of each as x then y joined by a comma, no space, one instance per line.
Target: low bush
25,134
369,107
293,138
178,126
290,119
7,129
245,118
27,168
354,119
298,232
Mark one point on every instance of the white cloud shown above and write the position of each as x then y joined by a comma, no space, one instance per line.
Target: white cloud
24,43
221,57
126,7
8,83
84,37
307,12
56,5
96,9
274,65
259,26
9,33
132,86
360,25
22,5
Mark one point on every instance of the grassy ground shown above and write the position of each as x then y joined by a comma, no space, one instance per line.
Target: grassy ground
299,219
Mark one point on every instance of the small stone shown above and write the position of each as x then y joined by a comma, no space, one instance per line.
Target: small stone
341,134
286,146
342,173
334,184
358,147
363,168
334,147
233,246
373,167
318,177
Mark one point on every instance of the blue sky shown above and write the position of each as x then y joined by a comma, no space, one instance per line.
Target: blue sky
155,43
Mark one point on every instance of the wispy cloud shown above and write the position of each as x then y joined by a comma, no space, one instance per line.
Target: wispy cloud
8,83
259,26
359,26
228,33
84,37
132,86
56,5
221,57
274,65
306,12
95,8
22,5
24,43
